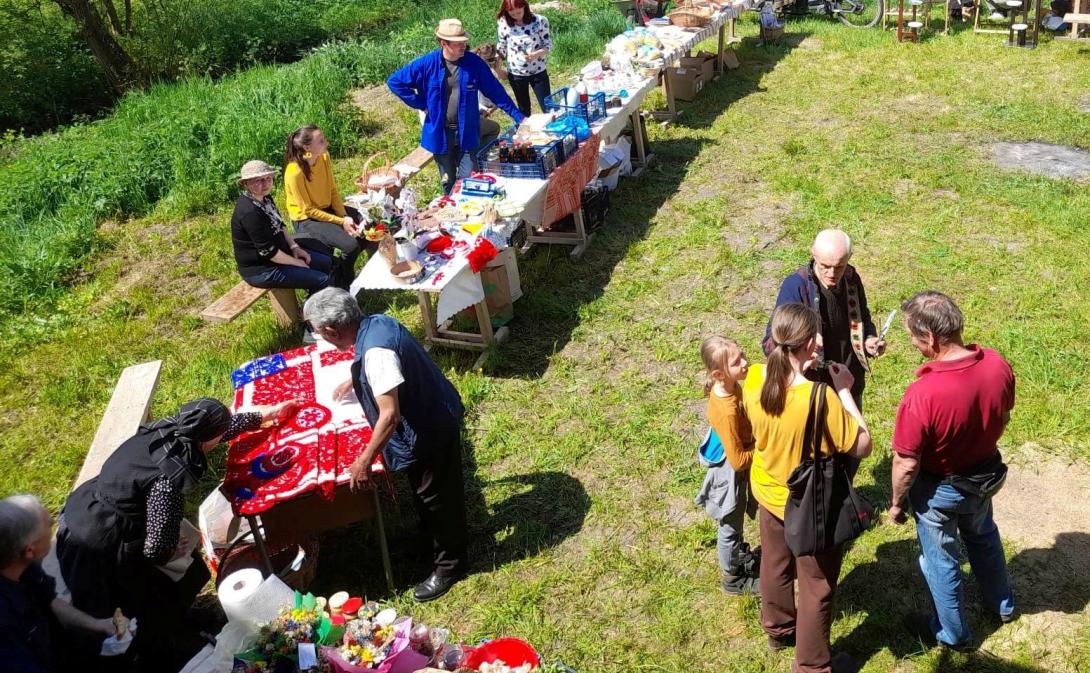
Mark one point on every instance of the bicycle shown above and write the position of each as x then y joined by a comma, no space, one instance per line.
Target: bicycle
854,13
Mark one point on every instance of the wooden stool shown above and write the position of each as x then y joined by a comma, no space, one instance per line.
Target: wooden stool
914,24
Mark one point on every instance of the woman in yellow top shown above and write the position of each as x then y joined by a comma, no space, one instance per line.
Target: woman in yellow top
776,398
314,204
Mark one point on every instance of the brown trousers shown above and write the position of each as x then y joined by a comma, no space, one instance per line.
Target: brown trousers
817,576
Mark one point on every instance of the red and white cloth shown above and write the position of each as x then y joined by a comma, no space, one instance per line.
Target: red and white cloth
318,444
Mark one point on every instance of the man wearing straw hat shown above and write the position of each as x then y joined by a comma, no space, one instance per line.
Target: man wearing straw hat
445,84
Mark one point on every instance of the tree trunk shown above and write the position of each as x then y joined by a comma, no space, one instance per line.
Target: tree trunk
111,13
119,67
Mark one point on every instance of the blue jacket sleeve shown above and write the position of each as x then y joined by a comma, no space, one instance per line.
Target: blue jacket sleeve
791,290
495,92
405,84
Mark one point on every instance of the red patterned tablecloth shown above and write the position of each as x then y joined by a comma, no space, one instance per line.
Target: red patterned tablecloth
564,193
316,446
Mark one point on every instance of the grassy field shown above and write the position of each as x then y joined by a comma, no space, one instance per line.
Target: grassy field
582,426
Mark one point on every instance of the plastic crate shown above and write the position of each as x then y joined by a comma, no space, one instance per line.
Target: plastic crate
568,146
591,111
548,158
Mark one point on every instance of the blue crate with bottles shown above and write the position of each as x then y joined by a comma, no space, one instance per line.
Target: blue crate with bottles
519,155
578,102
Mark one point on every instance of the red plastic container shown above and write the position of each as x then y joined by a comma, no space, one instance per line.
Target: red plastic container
511,651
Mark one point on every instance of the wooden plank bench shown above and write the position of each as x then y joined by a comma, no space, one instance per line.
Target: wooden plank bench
285,304
129,406
1076,21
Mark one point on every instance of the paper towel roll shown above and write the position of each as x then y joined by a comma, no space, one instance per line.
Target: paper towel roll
246,597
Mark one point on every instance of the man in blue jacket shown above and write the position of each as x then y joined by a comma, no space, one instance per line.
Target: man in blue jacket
833,287
445,84
416,421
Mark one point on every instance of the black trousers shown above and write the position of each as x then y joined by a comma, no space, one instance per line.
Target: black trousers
332,235
439,496
521,85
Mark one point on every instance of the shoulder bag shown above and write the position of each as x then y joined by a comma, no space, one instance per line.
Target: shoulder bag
823,508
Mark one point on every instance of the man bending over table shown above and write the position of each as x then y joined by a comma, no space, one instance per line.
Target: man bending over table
416,420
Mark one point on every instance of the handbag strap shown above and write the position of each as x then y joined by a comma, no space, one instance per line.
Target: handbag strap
814,435
808,433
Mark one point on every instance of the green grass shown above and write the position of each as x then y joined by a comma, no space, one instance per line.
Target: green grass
582,427
175,149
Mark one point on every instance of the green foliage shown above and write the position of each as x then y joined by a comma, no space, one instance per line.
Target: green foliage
179,143
49,75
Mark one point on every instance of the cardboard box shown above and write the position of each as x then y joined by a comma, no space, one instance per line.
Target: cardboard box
705,65
685,83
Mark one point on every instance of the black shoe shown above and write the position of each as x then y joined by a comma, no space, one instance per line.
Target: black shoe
737,585
1007,619
842,662
782,643
434,587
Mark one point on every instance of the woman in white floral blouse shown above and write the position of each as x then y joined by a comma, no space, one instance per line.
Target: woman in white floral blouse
522,38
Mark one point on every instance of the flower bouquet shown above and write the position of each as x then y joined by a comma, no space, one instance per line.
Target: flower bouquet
375,643
277,647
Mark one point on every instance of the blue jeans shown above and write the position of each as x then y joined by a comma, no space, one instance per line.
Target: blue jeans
729,539
456,163
521,85
941,513
313,278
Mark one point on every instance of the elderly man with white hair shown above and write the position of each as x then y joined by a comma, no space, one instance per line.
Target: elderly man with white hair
831,285
416,421
30,611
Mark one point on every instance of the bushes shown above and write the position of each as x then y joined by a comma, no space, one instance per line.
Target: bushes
177,146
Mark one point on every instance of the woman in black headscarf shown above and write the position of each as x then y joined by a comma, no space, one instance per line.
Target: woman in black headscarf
117,528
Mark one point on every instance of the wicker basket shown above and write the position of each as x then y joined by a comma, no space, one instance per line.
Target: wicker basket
385,171
771,34
245,555
688,15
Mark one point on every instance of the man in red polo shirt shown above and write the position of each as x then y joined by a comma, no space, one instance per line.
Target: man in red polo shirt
946,460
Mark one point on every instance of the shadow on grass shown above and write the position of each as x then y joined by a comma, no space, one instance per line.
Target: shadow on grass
891,586
557,288
528,514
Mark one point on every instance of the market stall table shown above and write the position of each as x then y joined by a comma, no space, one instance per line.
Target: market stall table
294,476
681,42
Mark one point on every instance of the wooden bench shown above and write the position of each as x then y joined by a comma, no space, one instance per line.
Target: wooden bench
129,406
1077,20
285,304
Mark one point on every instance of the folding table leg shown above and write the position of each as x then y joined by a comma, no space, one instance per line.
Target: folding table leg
383,548
259,542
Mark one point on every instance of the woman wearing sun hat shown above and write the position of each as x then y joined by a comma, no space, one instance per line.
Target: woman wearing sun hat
268,256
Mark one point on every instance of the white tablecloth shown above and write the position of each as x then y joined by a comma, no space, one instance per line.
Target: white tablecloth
458,286
678,41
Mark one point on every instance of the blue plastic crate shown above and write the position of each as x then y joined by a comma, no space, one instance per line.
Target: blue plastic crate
548,158
591,111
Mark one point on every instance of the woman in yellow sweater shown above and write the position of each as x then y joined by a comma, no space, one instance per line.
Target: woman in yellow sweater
776,398
314,204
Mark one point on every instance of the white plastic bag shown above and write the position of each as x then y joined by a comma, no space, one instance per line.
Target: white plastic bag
219,526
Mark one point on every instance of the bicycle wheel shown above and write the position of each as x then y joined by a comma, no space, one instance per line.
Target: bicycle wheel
859,13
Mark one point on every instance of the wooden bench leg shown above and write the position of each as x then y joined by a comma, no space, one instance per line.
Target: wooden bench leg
285,306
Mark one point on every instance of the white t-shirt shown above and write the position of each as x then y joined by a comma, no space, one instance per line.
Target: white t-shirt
382,368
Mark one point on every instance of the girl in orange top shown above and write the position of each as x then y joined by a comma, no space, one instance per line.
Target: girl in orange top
725,493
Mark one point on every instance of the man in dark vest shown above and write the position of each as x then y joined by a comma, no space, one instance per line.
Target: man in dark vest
833,287
416,419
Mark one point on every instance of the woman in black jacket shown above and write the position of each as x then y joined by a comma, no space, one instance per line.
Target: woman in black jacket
116,529
266,255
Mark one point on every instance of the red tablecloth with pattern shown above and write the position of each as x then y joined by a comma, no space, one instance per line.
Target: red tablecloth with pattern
312,451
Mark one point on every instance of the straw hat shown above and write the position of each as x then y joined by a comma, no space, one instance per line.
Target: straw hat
451,30
255,168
